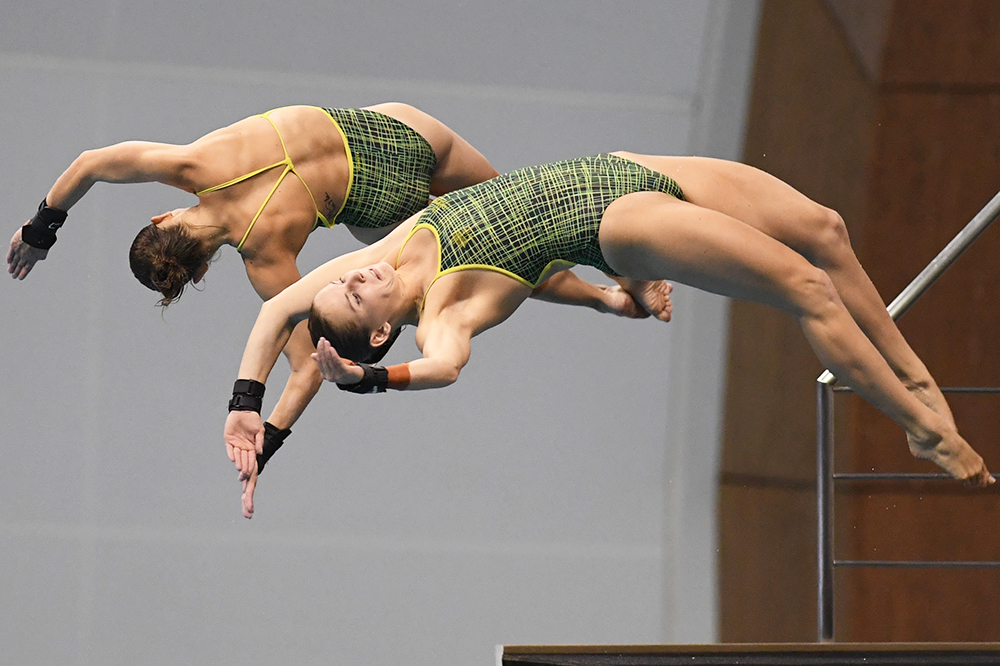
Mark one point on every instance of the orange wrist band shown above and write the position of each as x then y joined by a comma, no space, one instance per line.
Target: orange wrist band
399,376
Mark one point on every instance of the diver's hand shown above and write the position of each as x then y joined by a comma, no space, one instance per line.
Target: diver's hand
22,257
333,367
244,437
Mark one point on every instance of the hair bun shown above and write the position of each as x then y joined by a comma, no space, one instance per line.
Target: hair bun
165,260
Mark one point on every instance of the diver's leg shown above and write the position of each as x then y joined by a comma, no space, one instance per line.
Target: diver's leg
649,235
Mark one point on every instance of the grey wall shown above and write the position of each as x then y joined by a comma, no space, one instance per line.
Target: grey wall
562,492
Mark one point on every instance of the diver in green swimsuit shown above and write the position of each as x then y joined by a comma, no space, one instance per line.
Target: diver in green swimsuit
467,262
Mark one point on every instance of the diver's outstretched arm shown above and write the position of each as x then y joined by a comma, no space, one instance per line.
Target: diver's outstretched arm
127,162
277,319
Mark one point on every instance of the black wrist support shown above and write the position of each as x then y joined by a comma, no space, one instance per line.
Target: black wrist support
376,380
273,439
40,231
248,396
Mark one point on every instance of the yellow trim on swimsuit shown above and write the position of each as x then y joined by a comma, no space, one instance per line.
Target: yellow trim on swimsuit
465,267
289,167
350,174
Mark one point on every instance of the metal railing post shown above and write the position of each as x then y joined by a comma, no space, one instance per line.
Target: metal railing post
824,509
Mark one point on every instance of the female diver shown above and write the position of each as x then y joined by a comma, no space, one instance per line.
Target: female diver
471,258
265,183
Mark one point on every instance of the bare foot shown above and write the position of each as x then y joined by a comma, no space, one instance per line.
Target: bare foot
954,455
652,296
619,302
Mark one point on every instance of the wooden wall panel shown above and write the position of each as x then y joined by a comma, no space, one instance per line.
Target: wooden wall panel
755,580
865,23
905,603
951,43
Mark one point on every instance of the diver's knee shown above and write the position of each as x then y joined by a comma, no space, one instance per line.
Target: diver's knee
811,291
829,231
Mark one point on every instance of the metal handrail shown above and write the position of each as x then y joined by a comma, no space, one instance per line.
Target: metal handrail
824,415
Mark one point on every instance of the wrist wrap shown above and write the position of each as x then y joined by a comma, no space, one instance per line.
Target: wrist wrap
376,380
248,396
273,439
40,231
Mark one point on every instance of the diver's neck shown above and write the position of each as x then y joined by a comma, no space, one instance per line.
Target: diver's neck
206,229
411,295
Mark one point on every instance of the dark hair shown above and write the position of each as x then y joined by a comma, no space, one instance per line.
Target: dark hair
166,259
350,341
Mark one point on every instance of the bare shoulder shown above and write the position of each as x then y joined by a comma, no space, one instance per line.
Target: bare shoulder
271,273
444,332
218,141
469,302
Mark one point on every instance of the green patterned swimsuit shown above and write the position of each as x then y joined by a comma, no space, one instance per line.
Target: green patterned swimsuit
391,167
525,221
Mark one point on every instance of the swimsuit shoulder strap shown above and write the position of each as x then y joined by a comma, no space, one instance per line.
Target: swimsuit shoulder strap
416,227
247,176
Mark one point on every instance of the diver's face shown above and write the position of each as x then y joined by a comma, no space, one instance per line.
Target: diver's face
365,296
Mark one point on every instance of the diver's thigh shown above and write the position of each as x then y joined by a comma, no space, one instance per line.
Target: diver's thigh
650,235
740,191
